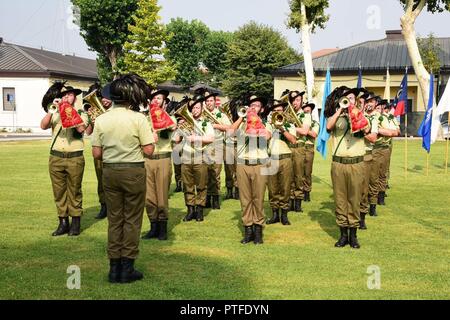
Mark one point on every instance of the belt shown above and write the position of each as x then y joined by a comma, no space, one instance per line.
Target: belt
159,156
281,157
296,145
252,162
66,155
381,147
369,152
124,165
348,160
309,146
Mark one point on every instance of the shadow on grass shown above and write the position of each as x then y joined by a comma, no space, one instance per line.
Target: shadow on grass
326,219
88,220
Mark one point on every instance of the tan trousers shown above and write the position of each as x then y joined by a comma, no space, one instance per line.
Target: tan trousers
347,188
98,164
298,161
369,184
309,161
252,187
214,172
195,179
125,199
159,177
381,157
230,166
66,176
280,185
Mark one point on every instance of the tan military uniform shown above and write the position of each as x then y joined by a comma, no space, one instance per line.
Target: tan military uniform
194,170
299,159
309,157
159,177
279,182
347,173
252,175
120,133
98,165
393,123
66,167
370,171
216,155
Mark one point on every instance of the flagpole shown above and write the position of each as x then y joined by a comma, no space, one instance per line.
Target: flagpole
406,145
446,156
428,163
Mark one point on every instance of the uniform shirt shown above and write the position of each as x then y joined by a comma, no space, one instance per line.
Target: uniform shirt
373,121
121,132
386,123
250,147
222,119
279,144
68,140
164,145
305,120
350,146
315,127
206,130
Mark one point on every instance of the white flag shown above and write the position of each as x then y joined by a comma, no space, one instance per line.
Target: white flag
442,107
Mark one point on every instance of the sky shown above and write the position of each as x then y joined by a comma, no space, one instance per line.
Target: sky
47,23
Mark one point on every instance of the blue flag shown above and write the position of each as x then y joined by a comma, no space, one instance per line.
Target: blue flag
359,84
425,126
323,134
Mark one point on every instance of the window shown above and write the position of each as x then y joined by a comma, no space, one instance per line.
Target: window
9,99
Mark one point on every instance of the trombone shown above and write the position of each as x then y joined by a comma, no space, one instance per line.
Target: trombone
208,115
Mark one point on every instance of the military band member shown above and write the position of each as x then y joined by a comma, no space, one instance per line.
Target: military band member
281,158
66,162
347,169
310,141
221,125
252,158
299,151
389,110
159,174
121,138
230,160
177,149
194,169
105,99
368,102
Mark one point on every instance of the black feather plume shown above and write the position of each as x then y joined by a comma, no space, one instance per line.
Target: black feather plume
52,93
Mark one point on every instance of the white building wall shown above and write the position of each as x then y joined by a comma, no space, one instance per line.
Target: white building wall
29,93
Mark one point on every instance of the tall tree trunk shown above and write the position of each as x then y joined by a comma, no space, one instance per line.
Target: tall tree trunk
112,56
307,58
407,23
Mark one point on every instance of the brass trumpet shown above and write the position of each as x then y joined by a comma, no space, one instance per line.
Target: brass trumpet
242,112
344,103
96,106
278,119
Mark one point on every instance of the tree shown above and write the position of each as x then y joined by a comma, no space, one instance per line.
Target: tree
104,69
305,16
429,51
412,9
144,49
253,54
104,26
185,49
216,47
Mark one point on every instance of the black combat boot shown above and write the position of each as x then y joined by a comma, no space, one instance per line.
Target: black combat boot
236,193
249,235
63,227
381,198
199,212
75,227
229,194
215,202
298,205
275,218
343,240
154,230
162,236
373,210
179,187
114,270
103,213
258,234
208,201
353,239
307,197
128,273
284,217
362,222
190,215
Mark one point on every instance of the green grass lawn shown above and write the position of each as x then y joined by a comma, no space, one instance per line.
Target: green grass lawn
408,241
